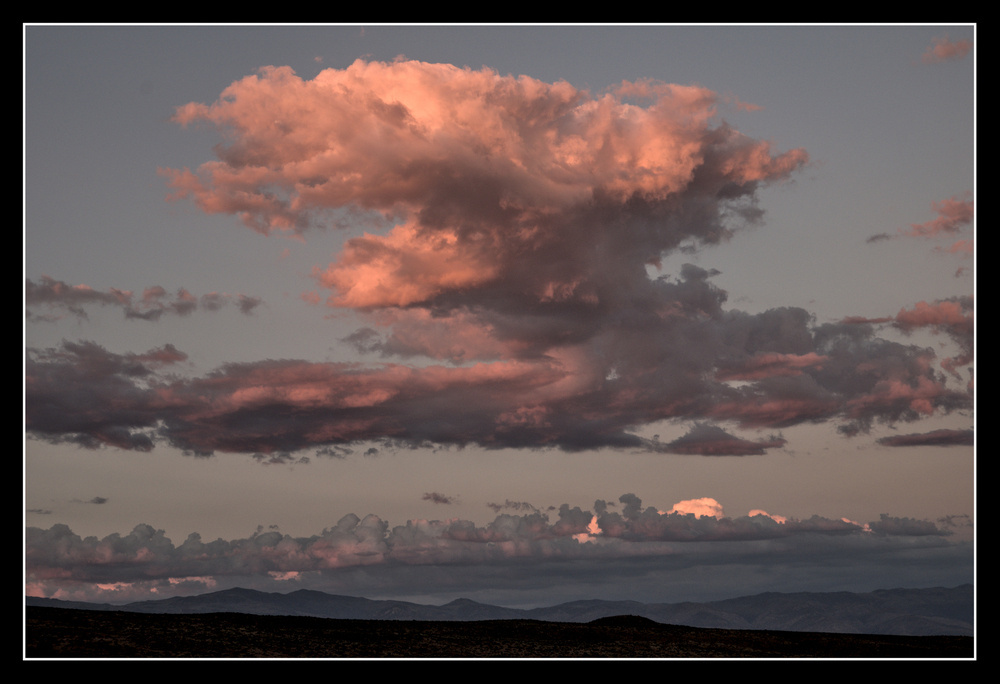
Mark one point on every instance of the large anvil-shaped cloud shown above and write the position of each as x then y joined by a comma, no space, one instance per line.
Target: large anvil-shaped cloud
495,179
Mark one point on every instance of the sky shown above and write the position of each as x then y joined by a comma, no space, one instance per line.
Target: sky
522,314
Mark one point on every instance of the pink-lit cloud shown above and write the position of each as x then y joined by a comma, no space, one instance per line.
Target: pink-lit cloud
954,317
772,365
704,506
953,214
438,142
780,519
943,49
962,247
85,394
515,220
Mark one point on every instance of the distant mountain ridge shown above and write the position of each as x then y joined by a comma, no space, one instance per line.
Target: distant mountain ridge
908,612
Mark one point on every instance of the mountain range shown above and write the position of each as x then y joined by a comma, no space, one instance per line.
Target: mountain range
911,612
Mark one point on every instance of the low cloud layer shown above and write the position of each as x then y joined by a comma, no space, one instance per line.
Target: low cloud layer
521,222
60,563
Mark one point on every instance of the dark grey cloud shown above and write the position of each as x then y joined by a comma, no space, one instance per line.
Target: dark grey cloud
438,498
641,369
955,521
880,237
887,524
932,438
280,458
509,505
335,451
57,297
709,440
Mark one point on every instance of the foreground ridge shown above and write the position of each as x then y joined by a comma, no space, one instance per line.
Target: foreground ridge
74,633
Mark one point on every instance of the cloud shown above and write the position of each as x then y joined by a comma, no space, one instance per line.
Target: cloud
698,508
58,295
953,213
64,381
963,247
505,287
59,562
155,301
509,505
435,497
932,438
954,317
880,237
336,451
943,49
440,142
949,521
951,315
887,524
709,440
771,365
82,393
